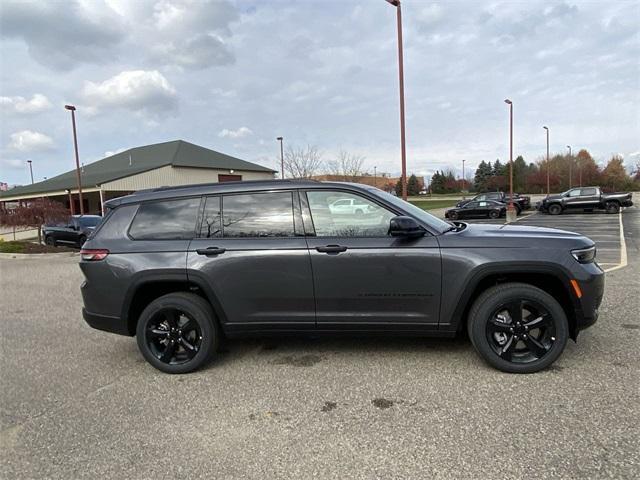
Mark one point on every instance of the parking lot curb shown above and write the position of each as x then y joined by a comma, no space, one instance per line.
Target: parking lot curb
20,256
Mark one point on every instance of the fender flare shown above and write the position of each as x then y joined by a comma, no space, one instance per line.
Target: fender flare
484,271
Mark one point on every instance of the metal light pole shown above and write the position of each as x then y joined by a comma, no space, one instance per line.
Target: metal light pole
280,139
403,148
570,166
510,207
75,145
463,178
548,183
375,176
30,170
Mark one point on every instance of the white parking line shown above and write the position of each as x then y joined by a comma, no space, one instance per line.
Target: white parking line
623,249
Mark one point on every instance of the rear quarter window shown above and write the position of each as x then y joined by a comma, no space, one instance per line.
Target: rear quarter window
165,220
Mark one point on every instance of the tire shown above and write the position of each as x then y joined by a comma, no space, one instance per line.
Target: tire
612,207
359,213
494,214
518,208
535,347
453,216
202,338
81,240
49,240
554,209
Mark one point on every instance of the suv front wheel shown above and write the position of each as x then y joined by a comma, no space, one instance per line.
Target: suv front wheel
518,328
177,333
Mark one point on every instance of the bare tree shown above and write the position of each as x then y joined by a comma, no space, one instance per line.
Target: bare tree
346,165
34,214
302,162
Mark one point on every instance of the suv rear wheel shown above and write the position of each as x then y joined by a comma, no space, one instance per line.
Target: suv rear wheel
177,333
49,240
518,328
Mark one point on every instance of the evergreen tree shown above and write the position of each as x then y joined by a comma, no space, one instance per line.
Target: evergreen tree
413,186
483,172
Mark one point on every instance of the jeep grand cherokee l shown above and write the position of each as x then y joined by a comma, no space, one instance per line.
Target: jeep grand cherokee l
182,267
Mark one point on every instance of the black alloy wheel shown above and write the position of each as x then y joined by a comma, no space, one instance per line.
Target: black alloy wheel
173,336
49,240
81,240
494,214
177,332
518,328
521,331
454,215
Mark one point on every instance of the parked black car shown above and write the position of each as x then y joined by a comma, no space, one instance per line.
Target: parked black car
520,202
182,267
585,198
75,231
482,209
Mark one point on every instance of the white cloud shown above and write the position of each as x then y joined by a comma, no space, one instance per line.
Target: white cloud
136,90
239,133
12,163
30,141
109,153
38,103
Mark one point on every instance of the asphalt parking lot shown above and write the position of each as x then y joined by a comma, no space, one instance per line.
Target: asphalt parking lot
78,403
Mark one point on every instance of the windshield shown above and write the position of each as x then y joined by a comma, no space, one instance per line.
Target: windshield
89,221
434,222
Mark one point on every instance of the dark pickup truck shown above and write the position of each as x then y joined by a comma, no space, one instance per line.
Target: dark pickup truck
520,202
584,198
74,231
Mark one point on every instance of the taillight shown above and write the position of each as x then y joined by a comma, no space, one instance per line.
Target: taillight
93,255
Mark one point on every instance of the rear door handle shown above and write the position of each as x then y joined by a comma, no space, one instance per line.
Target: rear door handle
210,251
332,249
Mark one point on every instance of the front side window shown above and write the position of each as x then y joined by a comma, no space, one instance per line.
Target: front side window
165,220
574,193
342,214
471,205
258,215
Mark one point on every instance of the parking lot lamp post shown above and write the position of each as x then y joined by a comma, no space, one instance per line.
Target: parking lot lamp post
548,189
375,176
70,201
72,109
403,149
280,139
463,178
570,166
510,207
30,170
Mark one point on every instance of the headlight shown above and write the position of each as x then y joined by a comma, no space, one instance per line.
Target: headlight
584,255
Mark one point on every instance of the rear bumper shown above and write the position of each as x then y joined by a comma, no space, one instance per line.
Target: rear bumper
105,323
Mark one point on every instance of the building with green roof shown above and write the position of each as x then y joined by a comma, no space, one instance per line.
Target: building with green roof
151,166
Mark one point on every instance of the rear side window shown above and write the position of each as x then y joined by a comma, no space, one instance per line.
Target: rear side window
258,215
588,191
165,220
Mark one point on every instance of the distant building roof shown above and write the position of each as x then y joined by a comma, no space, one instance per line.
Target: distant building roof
177,153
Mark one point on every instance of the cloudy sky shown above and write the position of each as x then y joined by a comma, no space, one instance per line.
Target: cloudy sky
233,75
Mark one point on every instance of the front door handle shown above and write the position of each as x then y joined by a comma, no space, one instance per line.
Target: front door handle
210,251
332,249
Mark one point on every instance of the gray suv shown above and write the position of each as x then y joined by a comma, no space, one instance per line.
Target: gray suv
181,268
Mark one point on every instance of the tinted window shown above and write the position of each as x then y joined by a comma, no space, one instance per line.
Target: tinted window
471,205
588,191
167,220
89,221
431,220
258,215
211,217
360,217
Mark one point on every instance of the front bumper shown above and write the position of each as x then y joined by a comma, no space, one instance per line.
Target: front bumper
589,304
627,203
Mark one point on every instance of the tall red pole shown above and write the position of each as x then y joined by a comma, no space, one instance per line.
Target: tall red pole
403,147
75,145
548,166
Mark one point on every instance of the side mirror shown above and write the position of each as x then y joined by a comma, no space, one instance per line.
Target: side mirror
402,226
